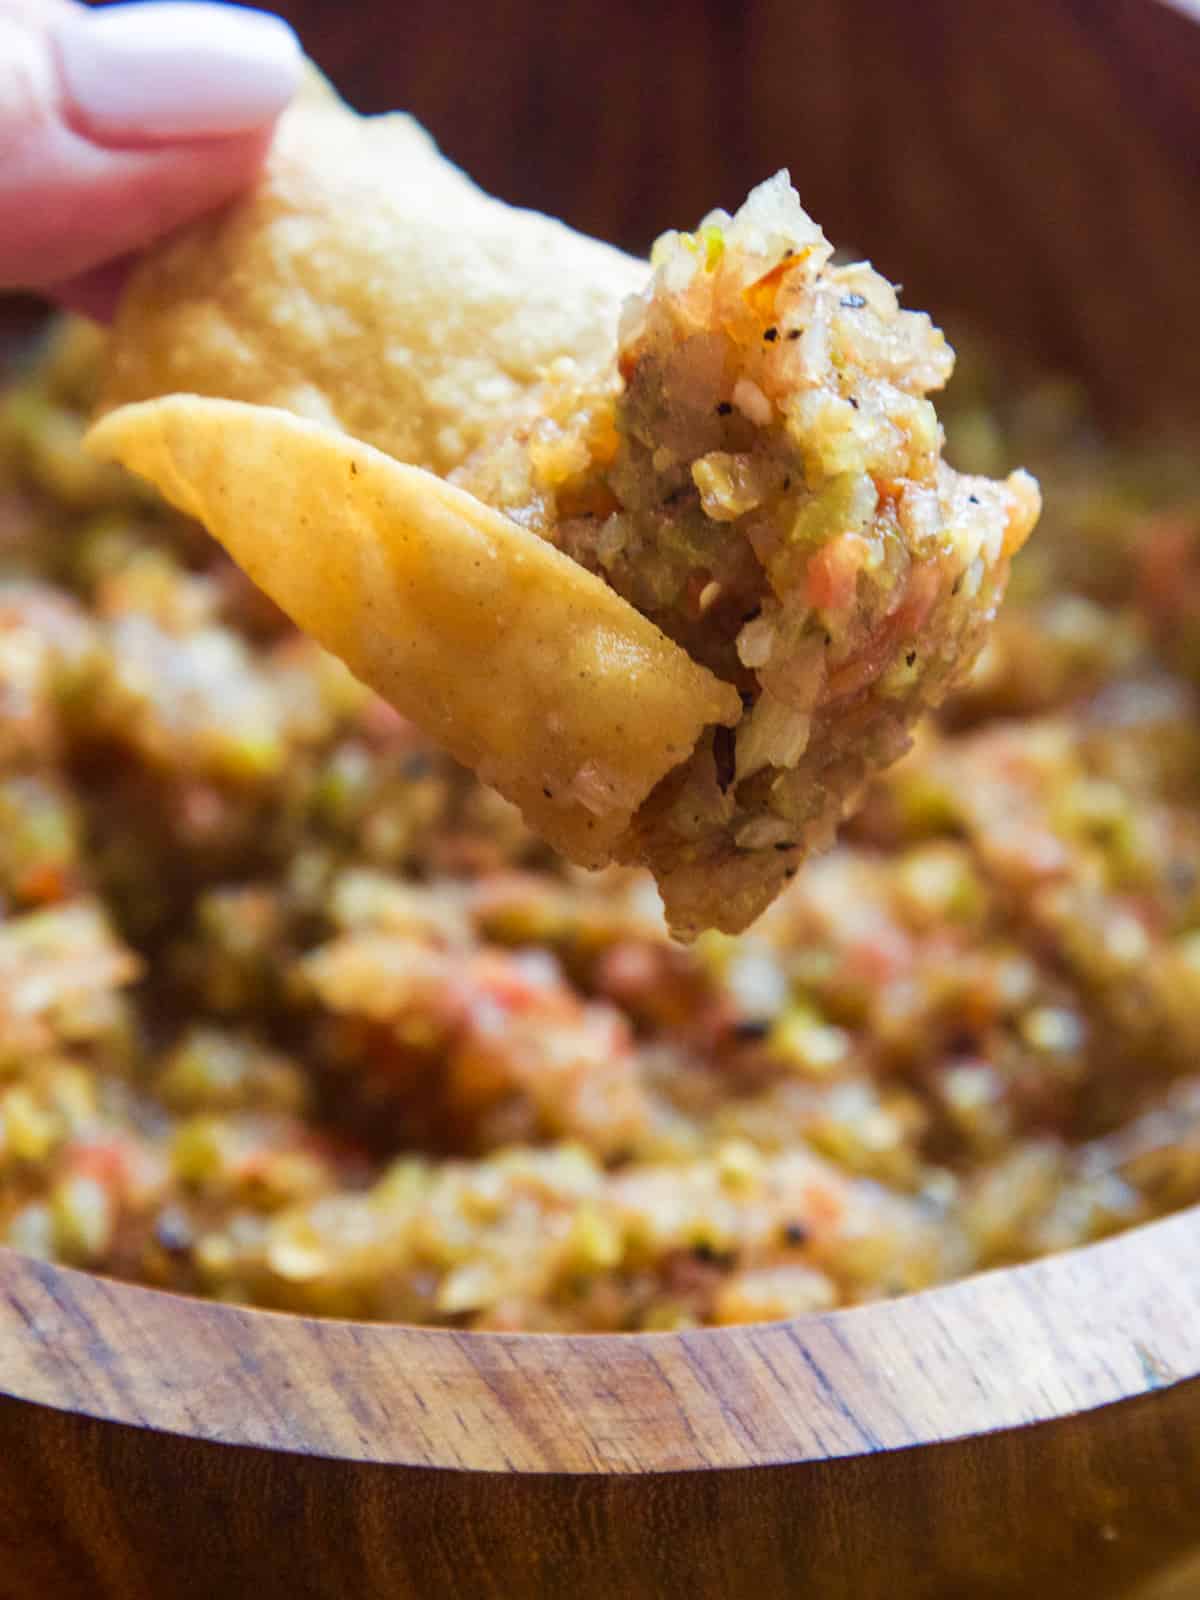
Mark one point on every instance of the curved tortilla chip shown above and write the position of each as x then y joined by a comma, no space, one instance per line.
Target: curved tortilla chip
526,667
745,451
367,283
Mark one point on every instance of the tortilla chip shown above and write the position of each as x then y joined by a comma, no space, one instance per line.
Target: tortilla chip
525,666
367,283
744,450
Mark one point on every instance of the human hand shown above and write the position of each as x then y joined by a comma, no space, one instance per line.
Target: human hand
121,123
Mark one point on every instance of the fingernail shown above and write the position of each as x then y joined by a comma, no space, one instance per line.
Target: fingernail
163,70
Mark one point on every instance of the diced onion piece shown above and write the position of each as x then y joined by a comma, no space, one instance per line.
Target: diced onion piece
774,735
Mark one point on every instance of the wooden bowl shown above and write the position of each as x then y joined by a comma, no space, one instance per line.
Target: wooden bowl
1026,1432
1029,1432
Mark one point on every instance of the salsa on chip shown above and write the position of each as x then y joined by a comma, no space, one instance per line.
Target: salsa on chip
668,554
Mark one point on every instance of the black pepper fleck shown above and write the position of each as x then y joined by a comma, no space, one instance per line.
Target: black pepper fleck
787,482
974,499
770,335
710,1255
723,408
795,333
911,658
750,1029
795,1233
724,757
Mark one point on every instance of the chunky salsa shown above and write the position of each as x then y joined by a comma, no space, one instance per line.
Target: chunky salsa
293,1012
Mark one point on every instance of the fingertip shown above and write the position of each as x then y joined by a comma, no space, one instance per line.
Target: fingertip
120,124
174,70
86,206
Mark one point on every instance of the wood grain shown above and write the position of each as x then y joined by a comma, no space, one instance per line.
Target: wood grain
1003,1350
152,1516
1033,163
1040,1424
1028,1433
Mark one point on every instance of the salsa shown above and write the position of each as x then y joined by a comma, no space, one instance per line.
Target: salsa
293,1012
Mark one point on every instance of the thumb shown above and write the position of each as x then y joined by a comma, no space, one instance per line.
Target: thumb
117,125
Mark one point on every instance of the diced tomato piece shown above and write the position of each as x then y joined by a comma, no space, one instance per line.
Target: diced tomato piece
905,622
46,883
920,594
514,986
108,1162
832,575
1170,567
823,1207
878,957
760,295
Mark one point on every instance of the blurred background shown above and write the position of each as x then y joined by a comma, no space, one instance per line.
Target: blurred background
1032,162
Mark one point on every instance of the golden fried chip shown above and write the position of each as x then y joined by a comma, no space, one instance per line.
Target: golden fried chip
740,443
368,284
526,667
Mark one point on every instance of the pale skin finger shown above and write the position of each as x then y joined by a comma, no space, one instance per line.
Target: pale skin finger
117,126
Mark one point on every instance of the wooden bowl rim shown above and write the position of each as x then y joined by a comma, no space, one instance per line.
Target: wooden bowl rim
1002,1350
1008,1349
